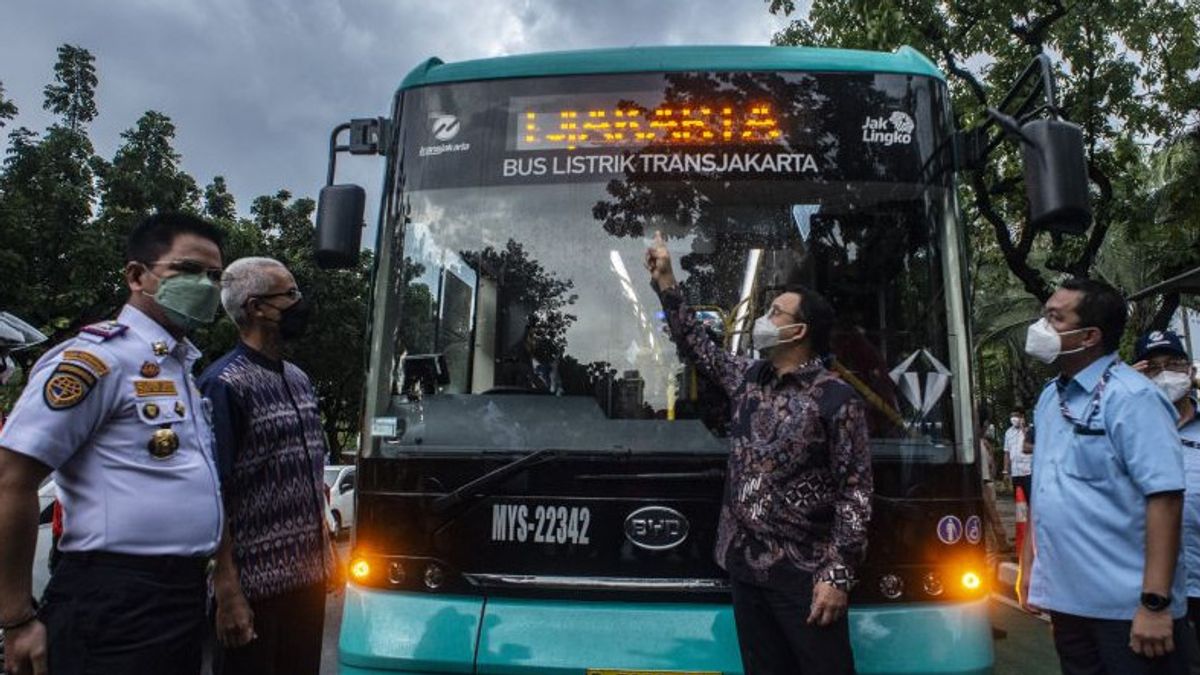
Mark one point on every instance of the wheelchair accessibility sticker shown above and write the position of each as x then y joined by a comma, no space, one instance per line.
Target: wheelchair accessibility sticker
974,531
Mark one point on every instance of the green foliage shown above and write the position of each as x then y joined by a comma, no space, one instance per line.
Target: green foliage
62,263
1125,73
8,109
59,266
526,284
218,203
145,176
73,94
419,309
332,352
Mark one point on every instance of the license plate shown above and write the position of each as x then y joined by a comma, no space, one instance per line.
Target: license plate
623,671
541,524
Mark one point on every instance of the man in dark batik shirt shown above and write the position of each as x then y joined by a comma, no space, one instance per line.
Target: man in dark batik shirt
275,558
798,491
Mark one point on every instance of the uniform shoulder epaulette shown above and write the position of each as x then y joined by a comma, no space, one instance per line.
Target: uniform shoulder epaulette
105,330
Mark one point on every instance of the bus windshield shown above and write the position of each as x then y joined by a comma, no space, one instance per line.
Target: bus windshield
518,313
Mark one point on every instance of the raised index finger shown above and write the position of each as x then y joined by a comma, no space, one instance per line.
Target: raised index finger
658,239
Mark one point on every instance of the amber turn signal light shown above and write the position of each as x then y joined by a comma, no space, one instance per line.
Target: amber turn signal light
971,581
360,569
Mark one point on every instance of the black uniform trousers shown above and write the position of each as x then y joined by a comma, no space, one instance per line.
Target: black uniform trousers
775,639
1089,646
290,629
116,614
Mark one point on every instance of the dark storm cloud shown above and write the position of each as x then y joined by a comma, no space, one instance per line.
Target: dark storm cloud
254,86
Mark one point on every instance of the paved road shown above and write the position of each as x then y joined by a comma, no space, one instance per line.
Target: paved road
1023,643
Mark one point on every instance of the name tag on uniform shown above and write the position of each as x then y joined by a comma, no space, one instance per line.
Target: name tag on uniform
154,387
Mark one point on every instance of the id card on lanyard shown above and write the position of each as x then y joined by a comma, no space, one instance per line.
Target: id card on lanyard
1083,425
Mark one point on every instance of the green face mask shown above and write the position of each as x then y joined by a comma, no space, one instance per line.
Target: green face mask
189,300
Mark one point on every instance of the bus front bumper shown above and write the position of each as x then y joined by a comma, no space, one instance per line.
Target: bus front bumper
422,634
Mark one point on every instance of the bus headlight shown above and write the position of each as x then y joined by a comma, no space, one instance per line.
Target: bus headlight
932,582
891,586
396,573
434,576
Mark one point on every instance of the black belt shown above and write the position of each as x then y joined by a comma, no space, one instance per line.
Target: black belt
156,564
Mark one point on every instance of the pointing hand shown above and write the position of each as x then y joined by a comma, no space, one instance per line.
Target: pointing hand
658,262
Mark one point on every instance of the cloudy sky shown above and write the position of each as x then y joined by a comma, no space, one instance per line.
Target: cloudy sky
254,86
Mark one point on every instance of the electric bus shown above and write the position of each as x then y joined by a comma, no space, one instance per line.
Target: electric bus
540,472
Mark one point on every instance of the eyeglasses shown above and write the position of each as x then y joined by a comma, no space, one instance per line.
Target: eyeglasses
291,293
774,311
1154,368
188,266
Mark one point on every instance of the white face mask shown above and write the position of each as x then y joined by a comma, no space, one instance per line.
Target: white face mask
1174,385
1044,343
1015,421
765,334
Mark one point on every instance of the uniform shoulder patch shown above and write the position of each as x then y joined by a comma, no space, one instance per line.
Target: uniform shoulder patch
93,362
69,384
105,330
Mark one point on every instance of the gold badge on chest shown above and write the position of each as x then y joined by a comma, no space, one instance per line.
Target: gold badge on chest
163,444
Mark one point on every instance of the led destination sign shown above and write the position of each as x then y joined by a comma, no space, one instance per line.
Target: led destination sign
564,123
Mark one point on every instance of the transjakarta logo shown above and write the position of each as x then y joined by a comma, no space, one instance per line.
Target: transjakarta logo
893,130
444,128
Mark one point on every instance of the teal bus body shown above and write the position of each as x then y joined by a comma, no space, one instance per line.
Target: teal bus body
905,61
387,632
420,633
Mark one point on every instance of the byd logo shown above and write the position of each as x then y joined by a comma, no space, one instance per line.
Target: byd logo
445,127
656,528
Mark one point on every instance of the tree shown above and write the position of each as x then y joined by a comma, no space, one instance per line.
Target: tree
1122,77
1120,72
8,109
331,352
59,264
145,174
218,203
73,93
527,286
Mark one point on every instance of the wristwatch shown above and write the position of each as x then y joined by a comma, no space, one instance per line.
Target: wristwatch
1155,602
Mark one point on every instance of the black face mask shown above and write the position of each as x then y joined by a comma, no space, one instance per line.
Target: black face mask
293,321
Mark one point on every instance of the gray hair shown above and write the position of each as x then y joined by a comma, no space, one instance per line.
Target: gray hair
242,280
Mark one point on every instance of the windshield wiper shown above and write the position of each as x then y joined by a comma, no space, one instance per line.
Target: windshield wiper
478,488
671,475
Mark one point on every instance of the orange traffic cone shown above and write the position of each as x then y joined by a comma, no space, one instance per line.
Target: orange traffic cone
1022,517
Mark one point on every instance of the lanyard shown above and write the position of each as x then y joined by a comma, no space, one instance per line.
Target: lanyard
1083,424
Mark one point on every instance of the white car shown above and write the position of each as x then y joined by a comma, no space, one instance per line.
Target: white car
339,478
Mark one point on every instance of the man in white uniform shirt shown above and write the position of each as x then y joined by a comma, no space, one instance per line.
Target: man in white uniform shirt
1018,464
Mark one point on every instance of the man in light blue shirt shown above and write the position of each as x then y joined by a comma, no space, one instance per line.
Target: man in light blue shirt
1161,357
1104,558
116,414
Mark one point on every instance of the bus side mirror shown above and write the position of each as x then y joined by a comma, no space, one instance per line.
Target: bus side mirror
1056,177
339,226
